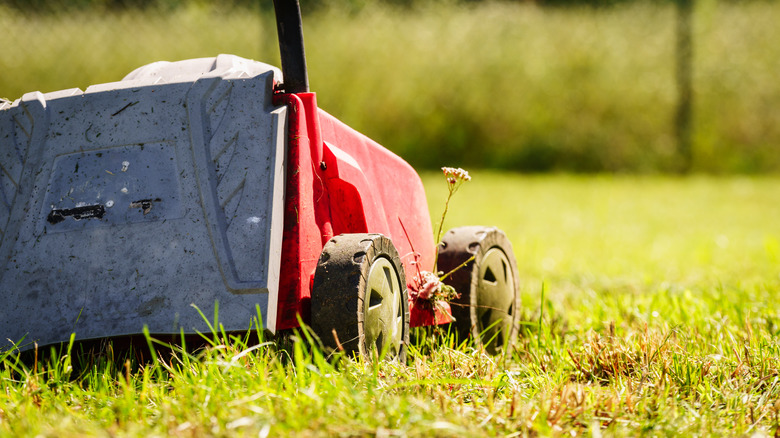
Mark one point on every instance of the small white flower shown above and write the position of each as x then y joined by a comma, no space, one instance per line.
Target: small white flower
457,173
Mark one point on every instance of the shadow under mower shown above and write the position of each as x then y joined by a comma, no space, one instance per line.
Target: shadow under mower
219,180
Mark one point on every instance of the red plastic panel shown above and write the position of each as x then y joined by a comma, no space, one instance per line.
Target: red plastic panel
305,204
340,181
389,190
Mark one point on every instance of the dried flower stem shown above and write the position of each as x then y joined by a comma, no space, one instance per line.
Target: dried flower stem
455,178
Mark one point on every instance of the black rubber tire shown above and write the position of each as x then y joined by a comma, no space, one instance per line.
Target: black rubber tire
488,307
352,267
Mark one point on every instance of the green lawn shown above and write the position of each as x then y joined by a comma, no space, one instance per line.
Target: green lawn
644,241
657,318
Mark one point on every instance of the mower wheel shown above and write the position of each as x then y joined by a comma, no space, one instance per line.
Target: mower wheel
488,285
359,301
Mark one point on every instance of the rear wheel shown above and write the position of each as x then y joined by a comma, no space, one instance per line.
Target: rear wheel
487,309
359,299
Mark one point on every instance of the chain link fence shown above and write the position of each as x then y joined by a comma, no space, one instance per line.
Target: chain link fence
512,85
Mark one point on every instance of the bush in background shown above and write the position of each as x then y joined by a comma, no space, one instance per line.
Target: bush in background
508,85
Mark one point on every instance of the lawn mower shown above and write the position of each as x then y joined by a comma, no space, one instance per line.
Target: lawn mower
142,205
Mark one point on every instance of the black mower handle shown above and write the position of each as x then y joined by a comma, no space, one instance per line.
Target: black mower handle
290,31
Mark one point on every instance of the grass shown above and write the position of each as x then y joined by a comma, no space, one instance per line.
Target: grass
658,318
648,302
497,84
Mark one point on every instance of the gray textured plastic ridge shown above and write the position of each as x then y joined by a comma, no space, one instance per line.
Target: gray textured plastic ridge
124,205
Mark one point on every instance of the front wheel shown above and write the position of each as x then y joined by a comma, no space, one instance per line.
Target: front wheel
359,300
488,307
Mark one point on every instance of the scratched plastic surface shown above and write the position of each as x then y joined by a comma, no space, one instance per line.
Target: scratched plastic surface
126,204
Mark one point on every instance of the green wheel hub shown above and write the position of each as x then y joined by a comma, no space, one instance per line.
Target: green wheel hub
384,319
495,296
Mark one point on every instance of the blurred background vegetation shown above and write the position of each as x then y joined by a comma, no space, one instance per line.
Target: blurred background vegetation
535,86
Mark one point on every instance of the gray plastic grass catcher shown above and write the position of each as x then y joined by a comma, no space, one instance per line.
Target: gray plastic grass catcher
133,200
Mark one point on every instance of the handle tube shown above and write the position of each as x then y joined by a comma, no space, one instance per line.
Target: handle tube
290,30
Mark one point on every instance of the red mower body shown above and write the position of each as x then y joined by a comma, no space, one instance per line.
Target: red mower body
340,181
